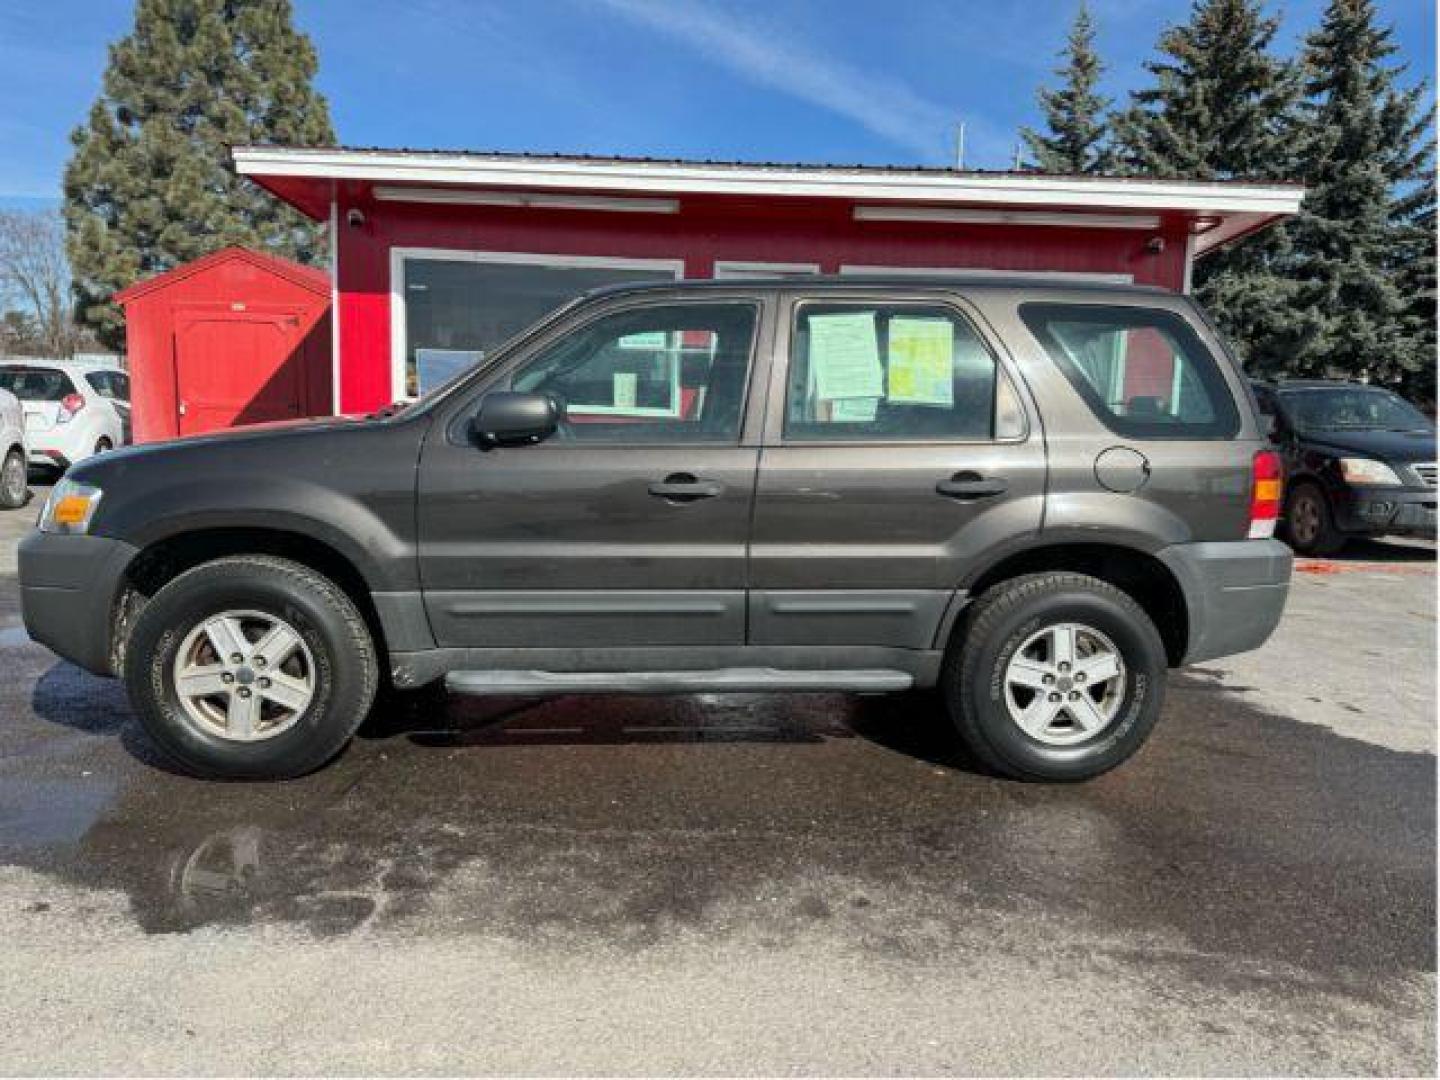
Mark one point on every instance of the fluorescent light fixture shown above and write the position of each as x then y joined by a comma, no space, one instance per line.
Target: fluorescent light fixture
538,200
957,216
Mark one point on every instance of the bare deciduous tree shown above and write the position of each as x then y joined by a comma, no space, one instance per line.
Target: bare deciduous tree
35,279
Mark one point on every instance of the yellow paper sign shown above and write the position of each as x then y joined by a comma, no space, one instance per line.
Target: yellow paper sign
921,361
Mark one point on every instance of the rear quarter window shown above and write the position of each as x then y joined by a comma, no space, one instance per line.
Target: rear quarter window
1143,372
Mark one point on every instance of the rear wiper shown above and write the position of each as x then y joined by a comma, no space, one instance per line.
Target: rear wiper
389,410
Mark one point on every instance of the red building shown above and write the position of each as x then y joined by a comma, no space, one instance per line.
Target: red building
438,257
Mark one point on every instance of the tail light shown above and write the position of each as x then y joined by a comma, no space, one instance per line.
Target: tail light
70,404
1265,494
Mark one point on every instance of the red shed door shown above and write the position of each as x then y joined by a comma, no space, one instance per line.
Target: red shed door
236,368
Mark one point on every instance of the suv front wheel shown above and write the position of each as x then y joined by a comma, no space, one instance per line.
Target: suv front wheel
250,668
1057,676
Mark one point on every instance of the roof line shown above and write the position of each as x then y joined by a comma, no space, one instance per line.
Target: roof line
790,180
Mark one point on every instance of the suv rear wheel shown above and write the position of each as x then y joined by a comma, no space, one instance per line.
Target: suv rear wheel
251,667
1057,676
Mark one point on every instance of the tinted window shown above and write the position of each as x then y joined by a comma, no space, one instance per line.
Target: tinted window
885,372
1144,372
109,384
35,384
662,373
1353,409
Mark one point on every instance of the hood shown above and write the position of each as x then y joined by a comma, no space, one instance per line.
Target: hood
218,445
1404,447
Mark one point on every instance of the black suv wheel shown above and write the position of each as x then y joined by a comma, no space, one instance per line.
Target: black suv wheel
250,667
1056,676
1309,525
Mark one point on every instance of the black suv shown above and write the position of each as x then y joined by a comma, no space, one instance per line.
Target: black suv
1033,497
1359,461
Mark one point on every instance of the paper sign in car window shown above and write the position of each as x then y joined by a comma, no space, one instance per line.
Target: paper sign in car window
860,410
921,358
844,356
626,387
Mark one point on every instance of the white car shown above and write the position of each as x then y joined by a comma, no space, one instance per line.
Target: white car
13,448
72,409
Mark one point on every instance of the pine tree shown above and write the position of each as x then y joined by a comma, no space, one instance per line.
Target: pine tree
1075,114
1222,107
1365,255
150,185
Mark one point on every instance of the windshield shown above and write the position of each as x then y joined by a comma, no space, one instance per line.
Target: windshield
35,384
1352,409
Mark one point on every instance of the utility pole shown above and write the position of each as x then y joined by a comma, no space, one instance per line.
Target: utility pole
960,145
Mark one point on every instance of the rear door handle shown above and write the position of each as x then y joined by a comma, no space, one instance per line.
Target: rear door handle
969,485
685,487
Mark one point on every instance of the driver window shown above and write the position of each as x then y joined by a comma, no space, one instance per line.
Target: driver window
661,373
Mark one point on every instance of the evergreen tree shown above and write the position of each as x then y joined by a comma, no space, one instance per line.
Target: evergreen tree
1365,255
1222,107
150,183
1075,113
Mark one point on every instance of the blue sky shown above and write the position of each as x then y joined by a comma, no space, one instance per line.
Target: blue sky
873,81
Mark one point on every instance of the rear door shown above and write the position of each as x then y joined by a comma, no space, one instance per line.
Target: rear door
897,448
629,526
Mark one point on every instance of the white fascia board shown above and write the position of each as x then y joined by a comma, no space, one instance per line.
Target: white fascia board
660,177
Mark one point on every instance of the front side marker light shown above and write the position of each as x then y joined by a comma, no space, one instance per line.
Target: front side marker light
70,508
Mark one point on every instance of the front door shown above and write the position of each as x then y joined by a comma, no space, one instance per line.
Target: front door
237,368
896,451
629,526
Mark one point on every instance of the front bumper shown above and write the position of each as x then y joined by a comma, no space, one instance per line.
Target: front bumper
1234,593
1386,511
68,589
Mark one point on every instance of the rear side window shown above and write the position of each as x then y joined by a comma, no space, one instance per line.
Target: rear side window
35,384
1144,372
893,372
110,384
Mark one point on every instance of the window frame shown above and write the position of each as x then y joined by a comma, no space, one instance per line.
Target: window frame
956,307
1227,424
502,376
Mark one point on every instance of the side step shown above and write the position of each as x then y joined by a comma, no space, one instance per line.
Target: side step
716,680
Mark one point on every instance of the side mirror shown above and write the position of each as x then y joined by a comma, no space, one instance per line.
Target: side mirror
511,418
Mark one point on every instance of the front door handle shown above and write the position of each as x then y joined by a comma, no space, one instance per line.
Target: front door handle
685,487
970,485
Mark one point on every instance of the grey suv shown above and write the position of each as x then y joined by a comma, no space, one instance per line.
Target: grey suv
1034,497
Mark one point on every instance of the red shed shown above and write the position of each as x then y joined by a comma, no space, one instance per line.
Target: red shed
440,256
237,337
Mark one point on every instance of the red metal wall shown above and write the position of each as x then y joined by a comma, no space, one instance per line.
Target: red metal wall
704,232
218,285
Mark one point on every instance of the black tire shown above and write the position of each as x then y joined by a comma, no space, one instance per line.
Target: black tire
14,481
973,678
1309,524
345,673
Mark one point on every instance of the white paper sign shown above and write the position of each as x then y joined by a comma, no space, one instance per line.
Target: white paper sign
845,357
922,354
854,410
626,385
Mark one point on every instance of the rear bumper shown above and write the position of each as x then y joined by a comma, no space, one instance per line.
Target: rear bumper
68,589
1234,592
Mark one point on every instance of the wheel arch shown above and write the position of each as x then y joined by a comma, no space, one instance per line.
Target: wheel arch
161,560
1132,570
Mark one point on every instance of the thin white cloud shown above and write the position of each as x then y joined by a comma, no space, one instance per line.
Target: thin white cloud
885,107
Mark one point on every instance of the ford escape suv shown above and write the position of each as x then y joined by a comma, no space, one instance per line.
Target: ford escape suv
1032,497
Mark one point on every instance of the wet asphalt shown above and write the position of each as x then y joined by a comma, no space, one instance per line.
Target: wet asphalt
798,884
